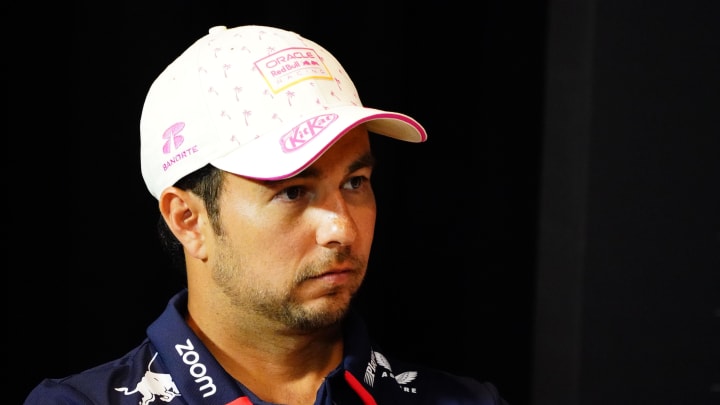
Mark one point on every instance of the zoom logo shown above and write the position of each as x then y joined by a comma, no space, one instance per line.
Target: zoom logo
196,369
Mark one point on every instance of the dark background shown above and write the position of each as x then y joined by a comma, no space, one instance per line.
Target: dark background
558,234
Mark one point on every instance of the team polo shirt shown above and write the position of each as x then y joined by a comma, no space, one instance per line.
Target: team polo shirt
172,366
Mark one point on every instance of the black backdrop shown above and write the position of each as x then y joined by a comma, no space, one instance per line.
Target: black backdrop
558,234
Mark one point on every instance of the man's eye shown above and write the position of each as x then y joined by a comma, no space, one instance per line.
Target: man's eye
355,182
291,193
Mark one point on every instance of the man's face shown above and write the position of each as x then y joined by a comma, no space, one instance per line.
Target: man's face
296,250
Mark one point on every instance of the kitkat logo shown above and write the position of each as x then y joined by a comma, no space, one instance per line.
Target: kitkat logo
303,133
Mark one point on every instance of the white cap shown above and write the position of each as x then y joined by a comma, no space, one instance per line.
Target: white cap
256,101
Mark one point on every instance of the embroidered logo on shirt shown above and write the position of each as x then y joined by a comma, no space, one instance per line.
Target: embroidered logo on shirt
377,358
152,385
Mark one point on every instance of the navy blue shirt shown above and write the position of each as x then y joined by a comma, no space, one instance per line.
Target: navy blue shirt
173,366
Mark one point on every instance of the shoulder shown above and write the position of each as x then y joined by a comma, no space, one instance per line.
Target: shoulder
93,385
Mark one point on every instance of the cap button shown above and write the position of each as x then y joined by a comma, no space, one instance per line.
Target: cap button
216,29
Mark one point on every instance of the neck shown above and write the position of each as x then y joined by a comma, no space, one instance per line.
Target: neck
276,365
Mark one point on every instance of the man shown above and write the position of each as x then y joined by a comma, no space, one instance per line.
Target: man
257,147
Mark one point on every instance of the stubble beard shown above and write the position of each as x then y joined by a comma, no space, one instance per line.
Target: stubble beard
283,306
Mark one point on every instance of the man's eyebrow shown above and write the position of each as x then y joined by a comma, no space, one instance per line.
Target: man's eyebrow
366,160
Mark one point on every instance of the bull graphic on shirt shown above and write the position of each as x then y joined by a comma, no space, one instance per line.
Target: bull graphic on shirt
153,385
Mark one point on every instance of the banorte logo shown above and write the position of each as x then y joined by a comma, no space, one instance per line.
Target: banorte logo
302,133
173,142
173,137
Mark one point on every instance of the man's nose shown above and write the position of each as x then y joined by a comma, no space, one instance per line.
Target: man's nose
336,225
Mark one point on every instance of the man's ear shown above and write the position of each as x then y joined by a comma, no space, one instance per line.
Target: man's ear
185,215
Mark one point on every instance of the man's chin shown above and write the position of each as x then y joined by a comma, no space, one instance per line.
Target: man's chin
321,315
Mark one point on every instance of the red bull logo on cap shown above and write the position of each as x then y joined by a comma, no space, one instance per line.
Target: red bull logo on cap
291,65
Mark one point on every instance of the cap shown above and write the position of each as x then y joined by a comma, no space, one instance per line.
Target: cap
257,101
